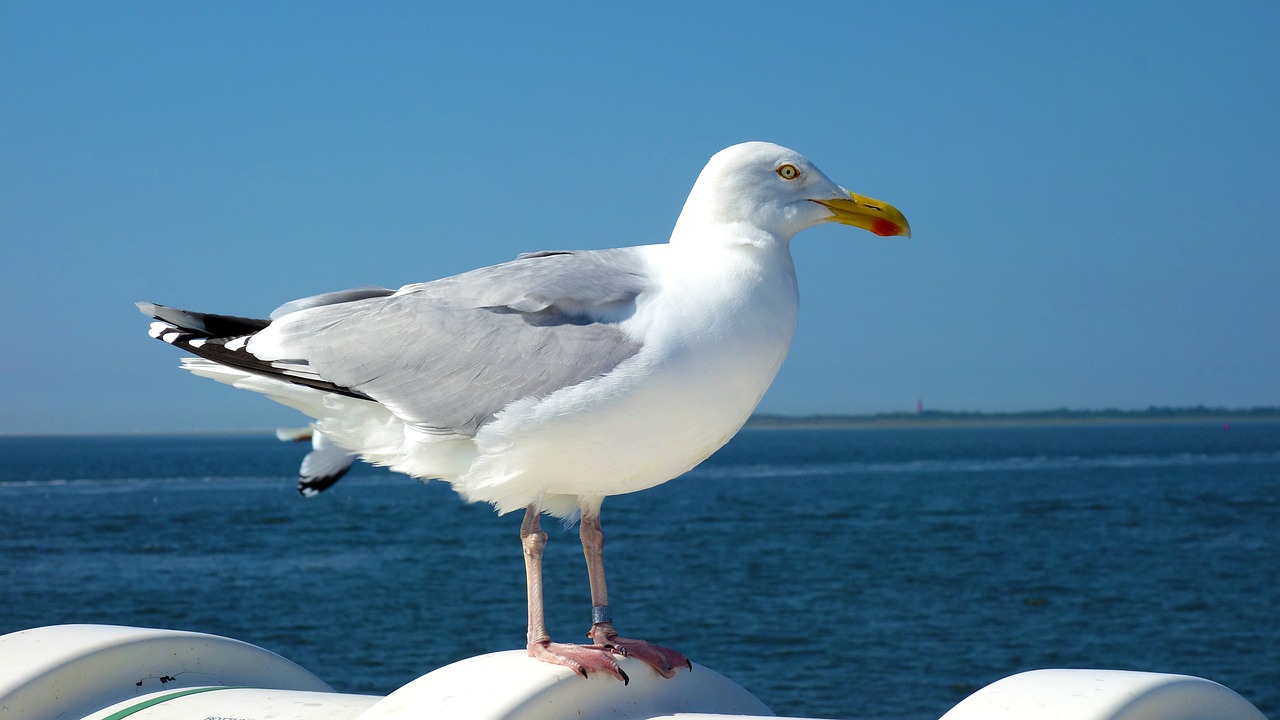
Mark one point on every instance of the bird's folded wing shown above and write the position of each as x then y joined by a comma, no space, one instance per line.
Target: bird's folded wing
446,356
332,298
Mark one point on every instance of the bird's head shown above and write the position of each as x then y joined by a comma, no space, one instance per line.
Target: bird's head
760,186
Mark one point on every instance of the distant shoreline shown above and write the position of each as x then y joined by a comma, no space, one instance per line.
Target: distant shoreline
942,418
925,419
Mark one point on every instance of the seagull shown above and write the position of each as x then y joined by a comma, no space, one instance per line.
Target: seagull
551,382
323,466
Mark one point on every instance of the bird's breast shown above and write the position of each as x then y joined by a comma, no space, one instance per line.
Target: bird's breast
712,339
722,328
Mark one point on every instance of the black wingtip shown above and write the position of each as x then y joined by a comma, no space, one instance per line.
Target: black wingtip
222,339
209,324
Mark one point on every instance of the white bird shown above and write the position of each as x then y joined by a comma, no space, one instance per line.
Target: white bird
325,465
553,381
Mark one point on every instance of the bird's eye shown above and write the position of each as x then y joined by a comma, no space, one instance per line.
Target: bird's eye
789,172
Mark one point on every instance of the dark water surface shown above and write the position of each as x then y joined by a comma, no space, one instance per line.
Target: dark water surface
834,573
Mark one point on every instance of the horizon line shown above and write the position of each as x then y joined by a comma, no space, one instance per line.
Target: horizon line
764,420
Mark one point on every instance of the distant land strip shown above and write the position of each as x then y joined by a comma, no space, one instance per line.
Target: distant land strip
1063,416
925,418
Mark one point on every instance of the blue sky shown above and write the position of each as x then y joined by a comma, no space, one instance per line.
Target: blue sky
1092,185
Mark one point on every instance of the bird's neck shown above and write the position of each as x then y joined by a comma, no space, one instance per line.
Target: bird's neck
690,231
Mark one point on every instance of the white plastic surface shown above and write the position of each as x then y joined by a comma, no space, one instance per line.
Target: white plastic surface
1103,695
512,686
103,672
240,703
69,671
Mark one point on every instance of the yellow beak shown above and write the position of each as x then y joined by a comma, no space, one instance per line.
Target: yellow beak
867,213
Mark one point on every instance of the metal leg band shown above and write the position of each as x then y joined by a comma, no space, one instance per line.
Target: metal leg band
601,614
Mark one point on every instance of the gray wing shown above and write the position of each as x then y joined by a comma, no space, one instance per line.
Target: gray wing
332,298
447,355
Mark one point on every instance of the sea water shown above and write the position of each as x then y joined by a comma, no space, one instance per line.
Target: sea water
883,573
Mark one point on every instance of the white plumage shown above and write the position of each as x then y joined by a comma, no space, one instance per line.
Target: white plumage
556,380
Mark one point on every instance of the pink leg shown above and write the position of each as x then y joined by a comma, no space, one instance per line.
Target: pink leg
664,660
582,659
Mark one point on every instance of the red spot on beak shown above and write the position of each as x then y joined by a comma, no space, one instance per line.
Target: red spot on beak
884,228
